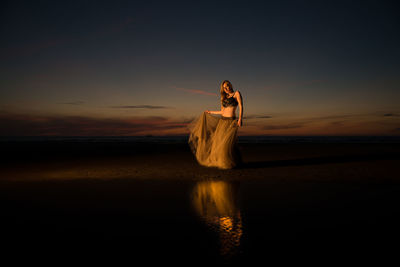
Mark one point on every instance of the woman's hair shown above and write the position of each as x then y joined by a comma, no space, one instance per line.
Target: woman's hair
223,94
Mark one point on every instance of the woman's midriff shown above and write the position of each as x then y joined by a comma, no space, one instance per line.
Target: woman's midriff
228,118
229,112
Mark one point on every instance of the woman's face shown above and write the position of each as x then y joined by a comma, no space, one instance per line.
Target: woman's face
226,88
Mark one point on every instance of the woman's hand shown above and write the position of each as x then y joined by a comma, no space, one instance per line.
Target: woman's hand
239,122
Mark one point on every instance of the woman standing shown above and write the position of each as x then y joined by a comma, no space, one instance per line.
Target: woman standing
213,140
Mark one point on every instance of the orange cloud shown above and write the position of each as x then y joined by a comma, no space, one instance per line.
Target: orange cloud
31,125
42,125
142,106
72,103
252,116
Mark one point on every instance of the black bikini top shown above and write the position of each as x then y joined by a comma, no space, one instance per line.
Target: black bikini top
230,102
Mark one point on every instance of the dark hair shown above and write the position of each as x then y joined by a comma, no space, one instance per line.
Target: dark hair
223,94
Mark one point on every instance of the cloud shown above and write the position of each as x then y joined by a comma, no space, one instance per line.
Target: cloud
142,106
309,119
257,117
334,120
72,103
337,123
282,126
194,91
32,125
341,116
373,114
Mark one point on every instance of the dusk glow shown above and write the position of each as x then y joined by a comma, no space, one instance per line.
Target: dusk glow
127,68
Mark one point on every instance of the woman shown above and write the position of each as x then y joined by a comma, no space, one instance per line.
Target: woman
213,140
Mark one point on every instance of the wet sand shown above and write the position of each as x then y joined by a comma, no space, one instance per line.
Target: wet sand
130,201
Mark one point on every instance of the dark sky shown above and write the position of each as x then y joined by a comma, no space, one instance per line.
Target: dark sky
149,67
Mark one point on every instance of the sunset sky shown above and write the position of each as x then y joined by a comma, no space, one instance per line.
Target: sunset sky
94,68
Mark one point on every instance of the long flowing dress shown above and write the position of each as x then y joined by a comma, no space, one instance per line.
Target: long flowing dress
213,141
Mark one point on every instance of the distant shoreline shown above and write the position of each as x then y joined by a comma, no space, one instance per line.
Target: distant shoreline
184,138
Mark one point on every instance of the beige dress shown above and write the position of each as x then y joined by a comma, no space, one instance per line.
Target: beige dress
213,141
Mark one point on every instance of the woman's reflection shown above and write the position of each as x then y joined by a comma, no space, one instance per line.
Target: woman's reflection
217,204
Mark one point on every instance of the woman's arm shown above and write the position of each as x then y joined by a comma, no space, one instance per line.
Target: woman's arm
240,108
216,112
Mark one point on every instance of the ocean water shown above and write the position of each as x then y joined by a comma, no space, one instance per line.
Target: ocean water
184,139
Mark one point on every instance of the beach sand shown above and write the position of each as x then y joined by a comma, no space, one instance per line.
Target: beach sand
135,200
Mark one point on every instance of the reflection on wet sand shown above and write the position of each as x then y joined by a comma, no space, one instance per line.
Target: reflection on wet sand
216,203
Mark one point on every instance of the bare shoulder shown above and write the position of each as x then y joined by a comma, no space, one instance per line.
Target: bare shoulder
237,94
